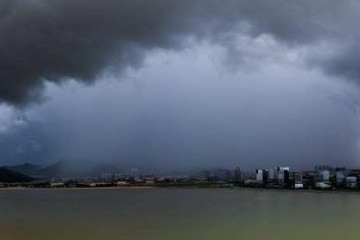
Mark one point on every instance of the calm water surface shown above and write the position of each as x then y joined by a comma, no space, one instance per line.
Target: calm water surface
184,214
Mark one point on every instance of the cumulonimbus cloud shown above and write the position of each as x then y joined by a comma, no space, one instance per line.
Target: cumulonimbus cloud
55,40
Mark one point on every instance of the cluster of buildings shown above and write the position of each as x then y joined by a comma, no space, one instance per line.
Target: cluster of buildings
278,175
328,177
281,177
322,177
214,178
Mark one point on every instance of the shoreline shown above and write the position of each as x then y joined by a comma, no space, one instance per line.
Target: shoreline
75,188
337,191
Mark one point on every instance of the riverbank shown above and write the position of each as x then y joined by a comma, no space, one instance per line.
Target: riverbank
185,187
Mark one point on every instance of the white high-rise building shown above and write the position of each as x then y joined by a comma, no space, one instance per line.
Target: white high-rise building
325,175
259,175
281,173
271,174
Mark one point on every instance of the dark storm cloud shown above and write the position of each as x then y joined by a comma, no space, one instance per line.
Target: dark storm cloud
56,40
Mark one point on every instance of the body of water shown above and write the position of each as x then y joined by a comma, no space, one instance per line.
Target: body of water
136,214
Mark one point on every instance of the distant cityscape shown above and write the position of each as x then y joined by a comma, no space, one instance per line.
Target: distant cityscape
282,177
322,177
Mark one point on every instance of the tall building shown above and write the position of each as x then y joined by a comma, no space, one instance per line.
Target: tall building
287,177
265,176
259,175
283,168
298,177
271,174
283,175
326,175
340,178
322,176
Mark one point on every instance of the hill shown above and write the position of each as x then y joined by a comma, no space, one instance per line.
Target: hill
26,168
67,168
9,176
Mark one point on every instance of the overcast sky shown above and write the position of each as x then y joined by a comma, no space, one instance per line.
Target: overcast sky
180,84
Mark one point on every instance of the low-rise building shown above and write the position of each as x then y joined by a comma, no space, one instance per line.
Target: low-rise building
351,182
298,180
121,183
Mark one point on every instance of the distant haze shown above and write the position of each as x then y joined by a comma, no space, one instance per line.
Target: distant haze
180,84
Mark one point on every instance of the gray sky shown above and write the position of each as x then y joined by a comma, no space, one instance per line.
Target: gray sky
180,84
